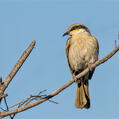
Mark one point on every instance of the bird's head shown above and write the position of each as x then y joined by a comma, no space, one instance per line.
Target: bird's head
76,29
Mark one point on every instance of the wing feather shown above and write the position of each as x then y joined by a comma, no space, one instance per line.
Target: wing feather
67,54
97,48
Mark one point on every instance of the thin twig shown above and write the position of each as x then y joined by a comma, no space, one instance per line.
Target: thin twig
36,97
21,104
43,96
42,91
26,100
53,101
7,107
15,105
2,109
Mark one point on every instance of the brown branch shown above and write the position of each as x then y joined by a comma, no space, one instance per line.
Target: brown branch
16,68
25,107
29,99
20,104
3,96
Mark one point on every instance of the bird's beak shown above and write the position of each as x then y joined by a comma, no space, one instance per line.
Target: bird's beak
66,33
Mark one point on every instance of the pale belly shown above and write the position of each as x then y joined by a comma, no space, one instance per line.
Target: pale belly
81,55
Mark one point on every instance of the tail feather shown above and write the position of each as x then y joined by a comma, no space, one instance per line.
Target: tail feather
82,95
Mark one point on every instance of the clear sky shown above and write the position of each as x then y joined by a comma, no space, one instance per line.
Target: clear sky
22,21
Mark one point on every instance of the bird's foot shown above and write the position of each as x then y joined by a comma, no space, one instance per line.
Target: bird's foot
74,78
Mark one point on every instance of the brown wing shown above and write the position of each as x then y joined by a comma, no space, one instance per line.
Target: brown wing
67,54
97,52
97,45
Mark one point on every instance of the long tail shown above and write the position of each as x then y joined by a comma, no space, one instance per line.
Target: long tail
82,95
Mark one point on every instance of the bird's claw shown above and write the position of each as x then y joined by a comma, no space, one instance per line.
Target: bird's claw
74,78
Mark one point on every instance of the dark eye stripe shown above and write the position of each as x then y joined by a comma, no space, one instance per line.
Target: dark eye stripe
78,27
75,27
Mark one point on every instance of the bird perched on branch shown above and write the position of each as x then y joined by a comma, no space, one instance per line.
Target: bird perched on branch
82,51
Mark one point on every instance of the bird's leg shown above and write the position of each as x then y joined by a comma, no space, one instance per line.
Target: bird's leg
74,78
90,67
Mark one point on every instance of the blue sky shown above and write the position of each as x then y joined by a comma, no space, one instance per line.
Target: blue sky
22,21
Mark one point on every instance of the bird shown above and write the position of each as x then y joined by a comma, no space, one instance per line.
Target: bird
82,51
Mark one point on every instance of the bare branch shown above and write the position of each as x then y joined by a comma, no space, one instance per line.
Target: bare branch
16,67
25,107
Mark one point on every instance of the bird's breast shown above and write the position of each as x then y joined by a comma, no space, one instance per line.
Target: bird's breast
81,53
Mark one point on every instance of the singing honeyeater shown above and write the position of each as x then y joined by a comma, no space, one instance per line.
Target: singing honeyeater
82,51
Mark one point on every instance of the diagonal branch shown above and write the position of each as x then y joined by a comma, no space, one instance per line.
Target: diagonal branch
16,68
25,107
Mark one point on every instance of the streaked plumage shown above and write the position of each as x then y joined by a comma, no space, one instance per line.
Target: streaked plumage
81,50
